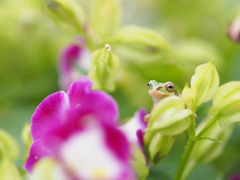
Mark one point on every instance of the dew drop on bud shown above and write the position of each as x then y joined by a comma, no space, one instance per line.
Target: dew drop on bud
107,47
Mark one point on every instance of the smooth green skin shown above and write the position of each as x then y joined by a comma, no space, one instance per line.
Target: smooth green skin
156,85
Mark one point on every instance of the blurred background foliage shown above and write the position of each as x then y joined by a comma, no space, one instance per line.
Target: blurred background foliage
196,31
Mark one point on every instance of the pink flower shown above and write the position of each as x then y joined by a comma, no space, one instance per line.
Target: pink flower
78,128
74,61
234,29
134,128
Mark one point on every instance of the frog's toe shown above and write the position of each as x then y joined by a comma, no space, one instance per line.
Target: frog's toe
147,117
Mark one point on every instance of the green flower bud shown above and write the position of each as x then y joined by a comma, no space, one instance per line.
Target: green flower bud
104,69
187,97
204,83
8,146
105,17
67,14
47,168
8,171
27,140
170,117
205,151
139,162
226,103
139,44
157,146
192,52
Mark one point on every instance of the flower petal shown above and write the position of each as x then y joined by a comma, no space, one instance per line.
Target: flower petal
74,61
100,103
78,90
102,106
94,153
37,151
69,55
117,142
48,113
75,121
134,128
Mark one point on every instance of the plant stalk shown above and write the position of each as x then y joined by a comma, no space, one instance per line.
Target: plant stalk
184,159
191,142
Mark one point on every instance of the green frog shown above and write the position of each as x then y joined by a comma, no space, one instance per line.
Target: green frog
159,91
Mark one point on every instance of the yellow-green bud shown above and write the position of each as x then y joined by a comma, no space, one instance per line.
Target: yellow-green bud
157,146
8,171
139,163
8,145
105,17
226,103
27,140
104,69
170,117
47,168
187,97
139,44
204,83
67,14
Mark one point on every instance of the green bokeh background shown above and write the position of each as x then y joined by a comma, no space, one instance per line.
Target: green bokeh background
31,43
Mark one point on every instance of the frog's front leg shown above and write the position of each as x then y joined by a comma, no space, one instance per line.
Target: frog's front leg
147,117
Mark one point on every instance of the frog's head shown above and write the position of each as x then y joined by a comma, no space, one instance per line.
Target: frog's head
159,91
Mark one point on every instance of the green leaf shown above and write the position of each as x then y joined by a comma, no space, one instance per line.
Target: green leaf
215,141
210,139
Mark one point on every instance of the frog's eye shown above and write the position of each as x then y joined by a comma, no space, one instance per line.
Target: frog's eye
149,85
170,87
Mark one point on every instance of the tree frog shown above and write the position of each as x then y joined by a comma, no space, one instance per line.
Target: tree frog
159,91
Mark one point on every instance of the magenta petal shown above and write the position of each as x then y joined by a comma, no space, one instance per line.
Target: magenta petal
78,90
97,103
74,61
75,121
69,55
117,142
140,115
37,151
48,113
102,106
78,119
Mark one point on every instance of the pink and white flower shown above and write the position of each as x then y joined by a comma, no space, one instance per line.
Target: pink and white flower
74,61
134,128
78,129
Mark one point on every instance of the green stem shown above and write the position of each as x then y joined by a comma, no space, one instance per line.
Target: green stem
184,159
209,125
188,168
191,142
